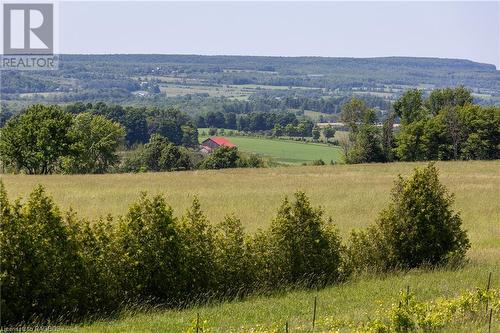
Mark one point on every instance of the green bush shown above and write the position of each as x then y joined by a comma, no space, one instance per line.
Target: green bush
418,227
318,162
197,253
161,155
250,161
148,250
41,271
221,158
231,257
304,248
96,242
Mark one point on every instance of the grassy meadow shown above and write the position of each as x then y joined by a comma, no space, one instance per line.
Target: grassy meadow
351,194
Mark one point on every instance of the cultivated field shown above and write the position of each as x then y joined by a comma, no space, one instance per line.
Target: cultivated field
286,151
351,194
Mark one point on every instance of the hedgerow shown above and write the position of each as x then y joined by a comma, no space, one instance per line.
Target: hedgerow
55,266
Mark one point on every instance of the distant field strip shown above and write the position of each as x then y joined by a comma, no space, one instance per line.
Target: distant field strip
287,151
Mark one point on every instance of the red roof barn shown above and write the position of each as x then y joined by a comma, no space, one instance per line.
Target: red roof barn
215,142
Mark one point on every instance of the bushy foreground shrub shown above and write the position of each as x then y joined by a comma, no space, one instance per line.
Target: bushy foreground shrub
419,227
60,268
40,265
57,267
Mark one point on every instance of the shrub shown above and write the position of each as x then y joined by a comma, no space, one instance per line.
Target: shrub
221,158
304,247
40,268
96,242
418,227
231,257
148,252
318,162
250,161
197,252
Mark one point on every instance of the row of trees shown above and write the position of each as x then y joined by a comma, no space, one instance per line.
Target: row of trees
443,126
55,265
250,122
140,122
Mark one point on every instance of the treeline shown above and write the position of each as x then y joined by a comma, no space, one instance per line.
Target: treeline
444,126
58,267
87,139
141,122
273,123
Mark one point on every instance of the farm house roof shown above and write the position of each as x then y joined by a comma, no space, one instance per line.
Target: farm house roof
221,141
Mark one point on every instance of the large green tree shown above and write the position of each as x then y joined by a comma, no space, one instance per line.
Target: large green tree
35,141
355,112
96,142
161,155
409,106
447,97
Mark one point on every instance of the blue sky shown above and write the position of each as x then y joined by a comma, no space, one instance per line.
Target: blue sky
466,30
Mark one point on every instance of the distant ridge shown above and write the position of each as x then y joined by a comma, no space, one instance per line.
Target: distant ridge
219,59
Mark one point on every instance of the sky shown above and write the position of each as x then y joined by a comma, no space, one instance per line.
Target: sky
464,30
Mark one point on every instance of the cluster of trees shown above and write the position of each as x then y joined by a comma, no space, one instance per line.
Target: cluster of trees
365,140
46,139
151,256
159,154
444,126
13,82
304,128
140,122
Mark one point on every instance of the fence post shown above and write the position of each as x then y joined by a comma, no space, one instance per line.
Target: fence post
286,326
198,322
488,289
314,310
489,321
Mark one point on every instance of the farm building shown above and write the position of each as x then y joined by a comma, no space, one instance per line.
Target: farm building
214,142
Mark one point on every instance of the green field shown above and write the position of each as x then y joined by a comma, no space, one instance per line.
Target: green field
286,151
351,194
